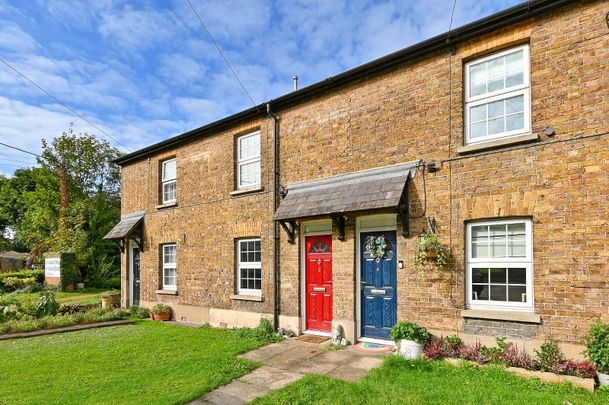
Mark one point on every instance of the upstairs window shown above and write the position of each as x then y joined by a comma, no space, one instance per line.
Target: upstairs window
497,96
499,265
248,160
168,182
169,267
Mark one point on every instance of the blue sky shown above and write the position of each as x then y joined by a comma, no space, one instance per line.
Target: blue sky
145,71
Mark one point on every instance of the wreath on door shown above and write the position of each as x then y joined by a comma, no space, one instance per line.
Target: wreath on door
376,247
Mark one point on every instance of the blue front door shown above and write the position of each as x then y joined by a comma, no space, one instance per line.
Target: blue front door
378,260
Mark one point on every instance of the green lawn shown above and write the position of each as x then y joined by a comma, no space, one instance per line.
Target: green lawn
89,296
400,382
146,363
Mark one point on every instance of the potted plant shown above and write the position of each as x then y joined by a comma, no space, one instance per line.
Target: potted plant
597,349
410,339
161,312
430,250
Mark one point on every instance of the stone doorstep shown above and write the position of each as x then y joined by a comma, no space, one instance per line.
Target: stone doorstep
72,328
585,383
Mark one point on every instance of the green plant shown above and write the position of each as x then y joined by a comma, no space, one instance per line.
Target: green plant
410,331
47,304
69,269
139,312
263,332
549,356
453,341
430,250
597,346
161,309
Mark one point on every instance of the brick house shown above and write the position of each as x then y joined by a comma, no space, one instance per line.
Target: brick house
496,135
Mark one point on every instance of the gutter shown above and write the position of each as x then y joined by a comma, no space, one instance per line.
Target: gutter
276,297
415,52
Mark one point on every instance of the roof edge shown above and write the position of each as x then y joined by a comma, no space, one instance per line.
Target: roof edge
417,51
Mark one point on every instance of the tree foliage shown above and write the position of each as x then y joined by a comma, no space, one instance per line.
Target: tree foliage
30,203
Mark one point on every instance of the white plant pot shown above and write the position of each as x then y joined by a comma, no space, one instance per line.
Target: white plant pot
603,379
410,349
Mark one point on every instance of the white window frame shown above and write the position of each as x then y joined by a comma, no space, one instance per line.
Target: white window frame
520,262
486,98
241,162
165,181
248,265
173,266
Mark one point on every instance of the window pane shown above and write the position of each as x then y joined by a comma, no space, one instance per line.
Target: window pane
480,276
517,276
169,254
496,73
477,79
496,126
169,191
258,285
514,105
517,294
249,173
478,113
243,283
514,122
514,69
495,109
249,147
477,130
479,292
498,241
169,170
498,293
498,276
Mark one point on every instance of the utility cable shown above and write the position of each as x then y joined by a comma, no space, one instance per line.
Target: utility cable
20,150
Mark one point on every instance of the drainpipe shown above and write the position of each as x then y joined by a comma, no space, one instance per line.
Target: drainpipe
276,306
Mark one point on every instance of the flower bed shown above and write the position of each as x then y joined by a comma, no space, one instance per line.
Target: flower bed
548,358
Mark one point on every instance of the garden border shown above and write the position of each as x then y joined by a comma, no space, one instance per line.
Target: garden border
72,328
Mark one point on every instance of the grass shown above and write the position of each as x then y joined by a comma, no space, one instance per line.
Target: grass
150,362
398,381
88,296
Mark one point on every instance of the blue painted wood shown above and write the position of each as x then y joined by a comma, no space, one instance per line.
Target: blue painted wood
378,309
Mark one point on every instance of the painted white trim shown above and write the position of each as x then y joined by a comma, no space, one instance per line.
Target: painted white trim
248,265
371,223
377,341
526,262
522,89
316,333
130,280
319,227
166,266
244,161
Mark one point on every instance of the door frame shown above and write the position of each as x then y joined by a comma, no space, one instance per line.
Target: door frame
318,227
370,223
130,282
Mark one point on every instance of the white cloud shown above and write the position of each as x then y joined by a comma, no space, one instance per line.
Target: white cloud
13,38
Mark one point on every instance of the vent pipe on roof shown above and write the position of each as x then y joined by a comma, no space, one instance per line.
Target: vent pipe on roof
295,79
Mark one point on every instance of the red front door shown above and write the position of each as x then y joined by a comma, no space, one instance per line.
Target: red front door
319,282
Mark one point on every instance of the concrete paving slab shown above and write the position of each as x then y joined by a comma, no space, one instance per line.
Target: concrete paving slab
348,373
218,397
314,367
266,352
244,391
336,357
366,363
273,378
290,359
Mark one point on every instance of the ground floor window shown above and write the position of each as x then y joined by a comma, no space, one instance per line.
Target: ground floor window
499,264
170,267
249,267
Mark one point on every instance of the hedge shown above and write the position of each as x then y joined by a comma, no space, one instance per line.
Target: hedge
38,275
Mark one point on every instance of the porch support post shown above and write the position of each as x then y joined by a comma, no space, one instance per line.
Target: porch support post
403,210
290,228
340,221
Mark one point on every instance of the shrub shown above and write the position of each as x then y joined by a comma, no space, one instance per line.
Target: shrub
70,309
113,283
47,304
139,312
410,331
597,346
161,309
549,356
264,332
69,269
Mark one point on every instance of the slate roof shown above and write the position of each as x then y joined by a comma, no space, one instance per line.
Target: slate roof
369,189
126,225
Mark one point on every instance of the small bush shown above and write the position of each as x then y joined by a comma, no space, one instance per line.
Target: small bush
549,356
597,346
139,312
70,309
264,332
47,304
161,309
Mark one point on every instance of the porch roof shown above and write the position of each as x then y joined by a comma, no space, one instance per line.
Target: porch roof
368,189
125,227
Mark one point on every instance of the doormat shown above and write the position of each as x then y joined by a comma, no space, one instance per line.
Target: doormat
367,347
312,338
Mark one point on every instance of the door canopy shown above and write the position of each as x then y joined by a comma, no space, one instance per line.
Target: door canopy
130,227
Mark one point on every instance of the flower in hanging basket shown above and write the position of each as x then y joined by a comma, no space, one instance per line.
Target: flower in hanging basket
430,251
376,247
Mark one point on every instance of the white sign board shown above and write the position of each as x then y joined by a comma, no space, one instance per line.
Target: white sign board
52,267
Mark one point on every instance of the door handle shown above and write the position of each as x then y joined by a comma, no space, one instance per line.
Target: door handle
319,289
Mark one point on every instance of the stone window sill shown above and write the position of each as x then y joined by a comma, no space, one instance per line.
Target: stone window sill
255,298
167,292
497,143
248,190
168,205
514,316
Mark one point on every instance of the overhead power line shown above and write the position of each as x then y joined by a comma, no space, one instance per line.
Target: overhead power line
61,102
221,53
20,150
